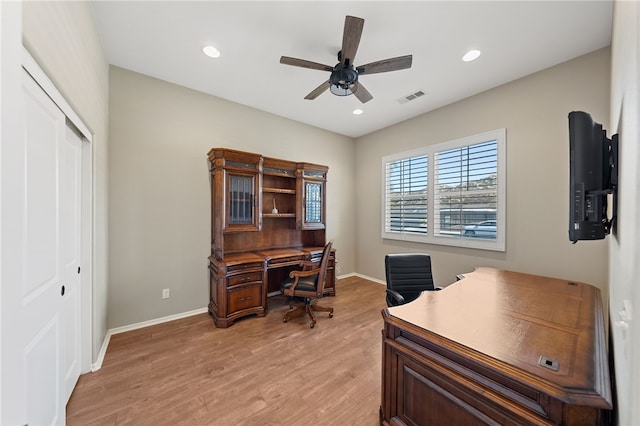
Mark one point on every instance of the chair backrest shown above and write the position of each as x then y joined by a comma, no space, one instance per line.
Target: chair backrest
322,273
409,274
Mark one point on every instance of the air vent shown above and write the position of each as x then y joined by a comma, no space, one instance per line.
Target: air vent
411,97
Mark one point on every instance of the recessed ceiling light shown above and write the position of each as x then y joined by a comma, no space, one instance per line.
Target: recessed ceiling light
471,55
358,111
211,51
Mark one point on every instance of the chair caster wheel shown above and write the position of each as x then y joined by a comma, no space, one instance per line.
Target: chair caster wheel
284,320
312,325
330,314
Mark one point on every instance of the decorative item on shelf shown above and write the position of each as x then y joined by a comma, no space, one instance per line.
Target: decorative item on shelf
274,210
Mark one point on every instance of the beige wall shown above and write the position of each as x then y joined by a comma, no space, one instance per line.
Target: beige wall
534,112
159,218
625,244
62,38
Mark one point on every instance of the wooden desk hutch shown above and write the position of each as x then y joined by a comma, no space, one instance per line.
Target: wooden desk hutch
267,215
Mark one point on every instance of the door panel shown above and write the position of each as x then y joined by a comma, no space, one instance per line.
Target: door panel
44,405
44,129
70,208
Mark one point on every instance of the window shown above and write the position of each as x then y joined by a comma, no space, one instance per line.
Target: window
406,195
451,193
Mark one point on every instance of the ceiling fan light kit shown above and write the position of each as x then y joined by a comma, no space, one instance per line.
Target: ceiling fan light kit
343,80
340,90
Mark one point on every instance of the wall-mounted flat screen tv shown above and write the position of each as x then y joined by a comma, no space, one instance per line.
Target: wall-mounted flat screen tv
593,176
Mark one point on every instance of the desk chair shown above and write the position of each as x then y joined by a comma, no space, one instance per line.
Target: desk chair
308,285
408,275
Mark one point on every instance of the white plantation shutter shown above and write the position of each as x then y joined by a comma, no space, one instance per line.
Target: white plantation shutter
451,193
466,188
406,195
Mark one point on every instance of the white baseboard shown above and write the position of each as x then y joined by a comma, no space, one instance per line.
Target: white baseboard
339,277
144,324
366,277
103,350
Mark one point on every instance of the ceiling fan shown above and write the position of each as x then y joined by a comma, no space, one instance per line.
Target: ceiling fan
343,80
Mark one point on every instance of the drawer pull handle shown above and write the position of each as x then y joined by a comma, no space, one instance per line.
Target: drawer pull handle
242,299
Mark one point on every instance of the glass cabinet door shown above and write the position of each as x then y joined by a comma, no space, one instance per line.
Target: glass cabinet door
311,209
313,203
242,200
311,213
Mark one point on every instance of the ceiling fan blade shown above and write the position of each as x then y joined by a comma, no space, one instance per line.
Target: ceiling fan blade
361,93
318,91
351,38
304,64
386,65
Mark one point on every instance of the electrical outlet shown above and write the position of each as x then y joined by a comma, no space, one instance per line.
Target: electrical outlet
165,293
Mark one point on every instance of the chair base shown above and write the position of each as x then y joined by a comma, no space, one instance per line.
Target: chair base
309,306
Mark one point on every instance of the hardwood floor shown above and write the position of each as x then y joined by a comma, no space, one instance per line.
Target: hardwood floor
260,371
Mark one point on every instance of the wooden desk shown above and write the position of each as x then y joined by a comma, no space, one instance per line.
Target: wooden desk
241,283
497,347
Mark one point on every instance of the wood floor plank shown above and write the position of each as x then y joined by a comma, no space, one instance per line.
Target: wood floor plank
260,371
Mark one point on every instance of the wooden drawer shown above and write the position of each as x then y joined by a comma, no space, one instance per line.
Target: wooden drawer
236,291
245,266
285,261
244,297
245,278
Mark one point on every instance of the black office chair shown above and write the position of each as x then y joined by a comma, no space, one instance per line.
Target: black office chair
408,275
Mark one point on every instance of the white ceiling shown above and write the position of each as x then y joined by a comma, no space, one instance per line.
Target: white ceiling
164,39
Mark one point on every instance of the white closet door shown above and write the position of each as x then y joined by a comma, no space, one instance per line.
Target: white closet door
70,221
48,315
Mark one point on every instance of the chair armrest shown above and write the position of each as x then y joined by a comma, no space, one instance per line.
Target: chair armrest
307,264
302,274
296,275
397,296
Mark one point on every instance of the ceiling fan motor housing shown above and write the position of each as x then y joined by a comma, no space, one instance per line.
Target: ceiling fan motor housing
343,76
